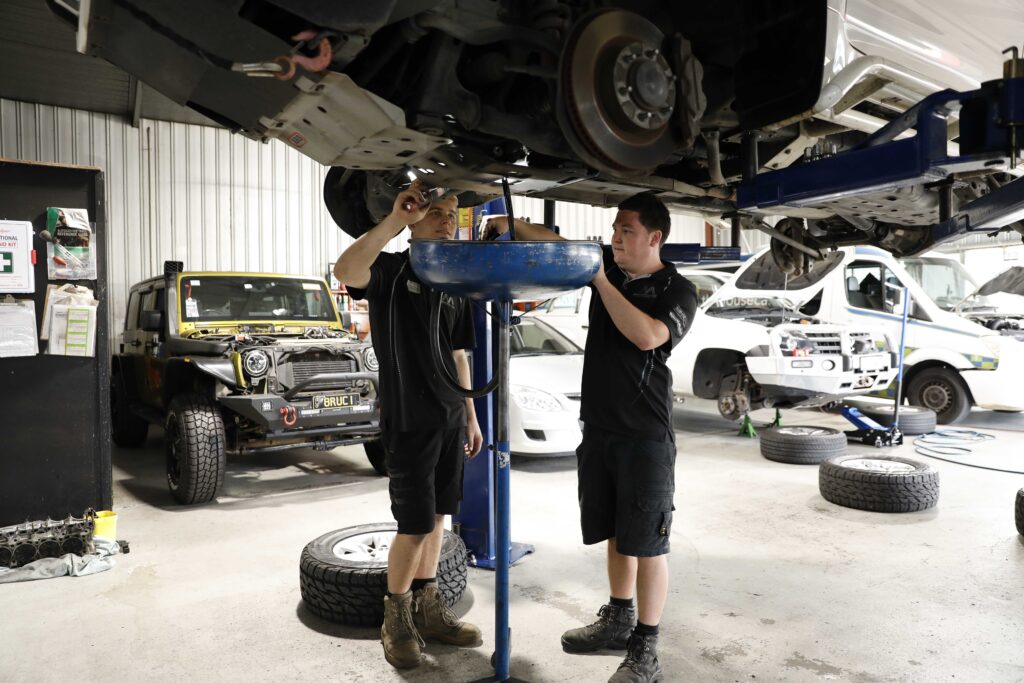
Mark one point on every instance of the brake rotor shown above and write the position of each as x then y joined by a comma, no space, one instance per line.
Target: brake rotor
618,93
788,258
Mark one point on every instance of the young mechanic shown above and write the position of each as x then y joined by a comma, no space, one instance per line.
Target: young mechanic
427,430
626,462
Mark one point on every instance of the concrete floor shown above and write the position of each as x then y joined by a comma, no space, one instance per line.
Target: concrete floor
769,581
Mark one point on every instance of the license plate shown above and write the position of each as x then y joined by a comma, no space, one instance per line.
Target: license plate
328,401
874,362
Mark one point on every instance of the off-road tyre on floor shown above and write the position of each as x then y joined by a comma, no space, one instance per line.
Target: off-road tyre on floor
1019,512
375,454
195,445
351,591
127,429
941,390
802,445
879,483
914,420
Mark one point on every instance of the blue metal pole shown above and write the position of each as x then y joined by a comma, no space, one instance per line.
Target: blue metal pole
903,344
502,453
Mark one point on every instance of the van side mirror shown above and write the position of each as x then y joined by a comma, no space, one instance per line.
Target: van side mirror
346,320
151,321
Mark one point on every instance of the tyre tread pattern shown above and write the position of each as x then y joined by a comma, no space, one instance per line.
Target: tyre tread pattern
912,423
878,491
202,472
799,449
355,596
1019,512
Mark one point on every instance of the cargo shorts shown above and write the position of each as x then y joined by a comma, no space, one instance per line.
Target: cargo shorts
626,490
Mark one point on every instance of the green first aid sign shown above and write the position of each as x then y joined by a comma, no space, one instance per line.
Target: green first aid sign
16,272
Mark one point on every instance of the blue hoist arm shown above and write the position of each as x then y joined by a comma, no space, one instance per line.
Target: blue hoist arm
989,118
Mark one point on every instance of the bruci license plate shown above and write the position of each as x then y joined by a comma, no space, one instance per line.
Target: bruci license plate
327,401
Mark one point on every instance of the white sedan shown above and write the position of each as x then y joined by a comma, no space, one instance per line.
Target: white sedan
545,371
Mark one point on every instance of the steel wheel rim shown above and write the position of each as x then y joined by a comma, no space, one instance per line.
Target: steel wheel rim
804,431
367,548
937,396
878,465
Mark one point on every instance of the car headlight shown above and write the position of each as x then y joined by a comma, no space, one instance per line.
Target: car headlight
795,343
536,400
370,359
994,342
256,363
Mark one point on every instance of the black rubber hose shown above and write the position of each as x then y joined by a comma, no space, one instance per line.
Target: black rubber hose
442,369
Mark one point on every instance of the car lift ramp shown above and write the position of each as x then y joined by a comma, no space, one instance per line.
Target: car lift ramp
991,136
501,271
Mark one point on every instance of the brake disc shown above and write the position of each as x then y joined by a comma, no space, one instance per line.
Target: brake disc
788,258
618,93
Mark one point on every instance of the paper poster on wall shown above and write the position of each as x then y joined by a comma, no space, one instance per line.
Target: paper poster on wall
17,274
18,328
70,252
72,331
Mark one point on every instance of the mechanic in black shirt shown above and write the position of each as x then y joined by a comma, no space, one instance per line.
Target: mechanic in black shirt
641,309
427,430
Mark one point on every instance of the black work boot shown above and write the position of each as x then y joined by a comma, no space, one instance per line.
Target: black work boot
403,646
611,631
641,664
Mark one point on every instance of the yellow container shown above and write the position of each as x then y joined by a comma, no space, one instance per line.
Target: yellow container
106,525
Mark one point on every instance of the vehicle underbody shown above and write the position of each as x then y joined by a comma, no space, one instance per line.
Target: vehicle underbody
571,100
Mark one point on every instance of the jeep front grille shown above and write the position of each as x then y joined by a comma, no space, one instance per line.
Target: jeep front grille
303,370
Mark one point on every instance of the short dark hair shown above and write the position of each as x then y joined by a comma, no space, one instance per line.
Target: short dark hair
653,212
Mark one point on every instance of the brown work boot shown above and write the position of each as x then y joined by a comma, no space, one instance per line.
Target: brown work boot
436,621
403,646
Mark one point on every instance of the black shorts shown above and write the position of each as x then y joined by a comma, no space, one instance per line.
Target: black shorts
425,476
626,487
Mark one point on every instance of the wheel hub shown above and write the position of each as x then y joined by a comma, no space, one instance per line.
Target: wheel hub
644,85
936,397
618,94
370,547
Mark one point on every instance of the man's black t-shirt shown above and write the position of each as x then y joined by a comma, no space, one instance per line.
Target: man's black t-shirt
626,390
412,394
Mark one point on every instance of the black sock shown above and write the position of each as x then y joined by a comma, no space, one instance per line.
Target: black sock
624,603
645,630
420,583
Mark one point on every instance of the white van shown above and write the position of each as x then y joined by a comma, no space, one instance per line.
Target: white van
951,362
745,352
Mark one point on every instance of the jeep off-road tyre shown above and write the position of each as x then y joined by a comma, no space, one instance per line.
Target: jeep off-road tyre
1018,513
941,390
343,575
914,420
375,454
879,483
802,445
127,429
195,447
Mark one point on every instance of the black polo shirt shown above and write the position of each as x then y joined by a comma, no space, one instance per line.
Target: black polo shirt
625,390
412,394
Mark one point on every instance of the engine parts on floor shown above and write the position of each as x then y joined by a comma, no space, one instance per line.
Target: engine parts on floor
343,575
24,543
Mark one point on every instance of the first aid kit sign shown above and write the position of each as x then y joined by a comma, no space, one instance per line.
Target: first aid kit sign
17,274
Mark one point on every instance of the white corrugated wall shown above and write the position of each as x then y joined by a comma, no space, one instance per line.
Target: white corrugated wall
217,201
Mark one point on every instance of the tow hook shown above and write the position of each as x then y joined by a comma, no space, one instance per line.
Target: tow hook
288,415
